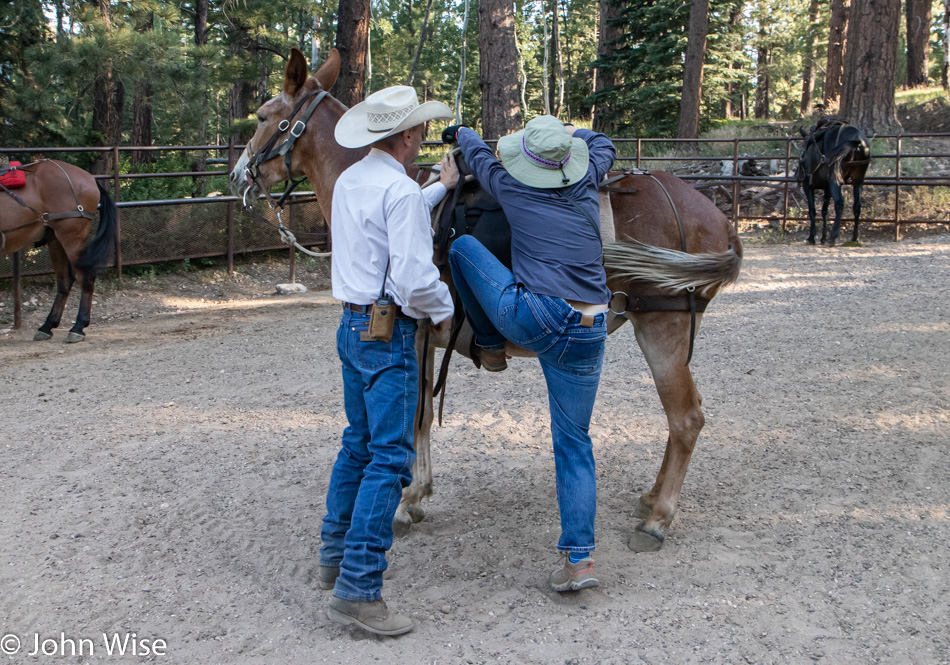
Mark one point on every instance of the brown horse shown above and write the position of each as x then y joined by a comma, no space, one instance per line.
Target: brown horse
56,207
662,283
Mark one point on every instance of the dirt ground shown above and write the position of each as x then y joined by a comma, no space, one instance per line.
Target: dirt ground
166,477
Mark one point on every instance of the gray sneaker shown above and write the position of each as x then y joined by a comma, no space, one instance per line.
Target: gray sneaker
372,615
574,576
326,577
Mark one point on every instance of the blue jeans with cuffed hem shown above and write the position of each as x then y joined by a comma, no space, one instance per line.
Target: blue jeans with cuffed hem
571,358
380,391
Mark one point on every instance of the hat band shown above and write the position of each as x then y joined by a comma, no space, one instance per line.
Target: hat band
541,161
384,122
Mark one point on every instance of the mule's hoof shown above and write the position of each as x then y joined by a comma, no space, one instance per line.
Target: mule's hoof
810,241
74,337
401,526
642,540
41,336
416,513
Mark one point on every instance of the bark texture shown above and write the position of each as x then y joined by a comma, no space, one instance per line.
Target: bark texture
498,68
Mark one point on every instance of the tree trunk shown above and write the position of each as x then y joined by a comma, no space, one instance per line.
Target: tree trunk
545,78
242,91
693,70
422,41
352,40
808,76
142,108
762,72
498,68
837,47
106,119
557,75
201,39
867,87
606,76
735,15
918,42
945,71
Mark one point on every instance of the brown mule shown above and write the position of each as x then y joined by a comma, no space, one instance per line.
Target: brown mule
56,207
674,242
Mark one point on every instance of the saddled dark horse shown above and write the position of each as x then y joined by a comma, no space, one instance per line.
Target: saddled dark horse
678,251
834,154
56,206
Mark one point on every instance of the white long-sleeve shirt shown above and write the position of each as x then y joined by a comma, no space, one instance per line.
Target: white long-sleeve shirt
381,214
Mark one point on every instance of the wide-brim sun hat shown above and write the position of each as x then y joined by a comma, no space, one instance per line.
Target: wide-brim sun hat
544,155
384,113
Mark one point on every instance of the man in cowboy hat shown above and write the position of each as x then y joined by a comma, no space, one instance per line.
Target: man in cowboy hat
382,243
552,302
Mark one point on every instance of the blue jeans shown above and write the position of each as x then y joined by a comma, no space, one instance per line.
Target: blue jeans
380,390
571,357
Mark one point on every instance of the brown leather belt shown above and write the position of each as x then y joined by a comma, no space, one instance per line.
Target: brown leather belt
368,309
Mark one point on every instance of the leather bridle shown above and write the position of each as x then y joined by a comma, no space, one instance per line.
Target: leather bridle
270,150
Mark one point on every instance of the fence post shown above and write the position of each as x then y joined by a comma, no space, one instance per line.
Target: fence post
638,154
788,157
735,185
230,222
293,250
897,192
17,294
118,214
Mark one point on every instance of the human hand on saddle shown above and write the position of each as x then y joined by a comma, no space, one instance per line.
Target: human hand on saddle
443,326
448,171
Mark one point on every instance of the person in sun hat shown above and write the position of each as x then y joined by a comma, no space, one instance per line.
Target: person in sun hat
552,302
382,242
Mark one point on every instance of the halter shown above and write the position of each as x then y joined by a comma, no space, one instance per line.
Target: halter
268,152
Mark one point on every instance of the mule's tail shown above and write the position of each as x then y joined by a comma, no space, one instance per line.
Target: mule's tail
671,269
99,250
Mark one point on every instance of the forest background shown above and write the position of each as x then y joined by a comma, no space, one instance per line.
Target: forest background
148,72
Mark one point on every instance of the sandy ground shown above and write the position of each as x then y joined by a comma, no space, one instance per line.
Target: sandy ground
166,478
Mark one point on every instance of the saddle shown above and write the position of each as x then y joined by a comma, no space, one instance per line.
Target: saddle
11,176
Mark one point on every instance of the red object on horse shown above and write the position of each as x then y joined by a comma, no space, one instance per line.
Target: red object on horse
14,178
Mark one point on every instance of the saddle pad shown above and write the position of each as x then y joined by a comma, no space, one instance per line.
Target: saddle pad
14,178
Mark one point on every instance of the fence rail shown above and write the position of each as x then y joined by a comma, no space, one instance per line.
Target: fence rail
172,229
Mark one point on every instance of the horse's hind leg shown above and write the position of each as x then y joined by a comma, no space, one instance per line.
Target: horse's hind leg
410,508
87,280
62,267
664,339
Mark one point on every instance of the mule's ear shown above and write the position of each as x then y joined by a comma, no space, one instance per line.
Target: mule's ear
296,73
802,130
329,71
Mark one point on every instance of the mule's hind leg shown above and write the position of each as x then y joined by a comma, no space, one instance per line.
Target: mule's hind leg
65,277
838,196
664,339
824,215
856,209
410,508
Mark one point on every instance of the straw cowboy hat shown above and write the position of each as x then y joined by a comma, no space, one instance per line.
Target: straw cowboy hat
544,155
384,113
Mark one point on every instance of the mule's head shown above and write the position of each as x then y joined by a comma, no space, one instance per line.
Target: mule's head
278,120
